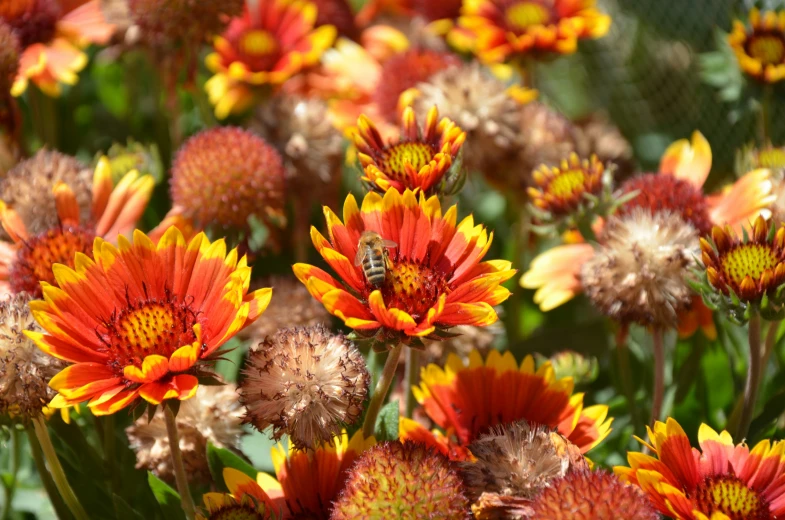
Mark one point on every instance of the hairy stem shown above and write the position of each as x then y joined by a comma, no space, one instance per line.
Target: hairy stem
380,392
56,469
411,378
623,357
177,462
753,377
659,375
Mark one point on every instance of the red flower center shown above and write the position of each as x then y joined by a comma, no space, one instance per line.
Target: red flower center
145,327
748,260
728,495
396,157
665,192
404,71
258,49
768,48
36,257
33,21
520,16
413,287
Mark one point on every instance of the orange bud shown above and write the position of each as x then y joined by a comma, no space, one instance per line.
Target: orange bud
721,239
760,230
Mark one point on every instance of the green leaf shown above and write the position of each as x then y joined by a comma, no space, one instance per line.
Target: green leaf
387,422
167,498
220,458
124,511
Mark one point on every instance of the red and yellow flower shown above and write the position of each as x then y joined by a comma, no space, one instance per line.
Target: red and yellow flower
140,320
467,400
760,48
719,481
52,35
677,187
305,483
268,44
435,278
245,500
115,209
421,158
505,29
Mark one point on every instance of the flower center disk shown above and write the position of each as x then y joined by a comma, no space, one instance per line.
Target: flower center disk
36,257
145,327
413,288
748,260
33,21
768,48
728,495
568,184
523,15
416,155
259,50
238,512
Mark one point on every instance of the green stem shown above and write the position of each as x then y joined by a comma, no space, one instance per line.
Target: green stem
177,462
380,392
765,114
752,385
625,367
10,489
412,377
46,479
585,229
56,469
771,341
42,109
659,375
109,452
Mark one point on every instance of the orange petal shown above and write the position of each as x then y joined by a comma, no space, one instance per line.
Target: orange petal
689,161
154,367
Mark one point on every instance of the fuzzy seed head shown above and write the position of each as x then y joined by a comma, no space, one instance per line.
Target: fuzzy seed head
304,382
225,175
311,147
173,22
25,370
406,481
9,57
28,188
516,461
639,274
592,495
479,104
214,415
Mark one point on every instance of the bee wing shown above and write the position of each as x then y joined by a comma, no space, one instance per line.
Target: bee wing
360,256
389,243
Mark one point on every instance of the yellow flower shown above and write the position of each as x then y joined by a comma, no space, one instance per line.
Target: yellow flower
760,47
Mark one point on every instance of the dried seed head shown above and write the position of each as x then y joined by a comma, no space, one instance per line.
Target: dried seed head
225,175
173,22
592,495
9,57
639,274
513,463
214,415
292,306
28,188
311,147
407,481
598,135
479,103
25,370
305,382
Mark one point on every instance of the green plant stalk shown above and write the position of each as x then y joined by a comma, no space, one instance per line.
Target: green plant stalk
623,357
765,114
754,372
412,377
42,109
110,452
46,479
380,392
177,463
659,375
56,469
10,489
770,342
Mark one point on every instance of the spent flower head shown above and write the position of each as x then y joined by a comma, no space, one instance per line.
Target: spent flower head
402,480
304,382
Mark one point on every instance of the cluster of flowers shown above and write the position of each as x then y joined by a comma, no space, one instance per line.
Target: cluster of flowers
96,311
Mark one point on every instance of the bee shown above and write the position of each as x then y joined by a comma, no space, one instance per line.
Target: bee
372,256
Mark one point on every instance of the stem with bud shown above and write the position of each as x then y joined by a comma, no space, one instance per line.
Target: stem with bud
380,392
753,377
